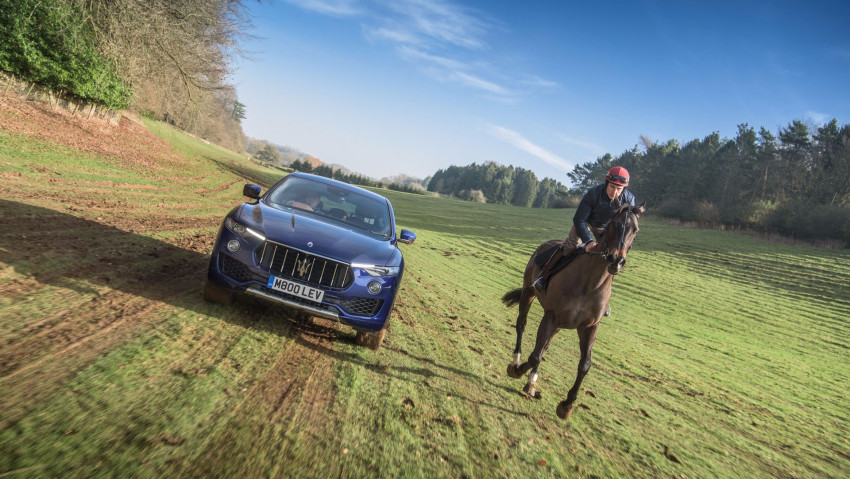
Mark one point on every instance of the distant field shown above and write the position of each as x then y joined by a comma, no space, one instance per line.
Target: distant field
726,356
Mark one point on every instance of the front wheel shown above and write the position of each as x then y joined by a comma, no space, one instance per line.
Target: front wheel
215,294
370,340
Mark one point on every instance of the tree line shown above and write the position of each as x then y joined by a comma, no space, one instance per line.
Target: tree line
795,183
169,59
352,178
491,182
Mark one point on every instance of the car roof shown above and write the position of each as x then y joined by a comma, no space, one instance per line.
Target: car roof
339,184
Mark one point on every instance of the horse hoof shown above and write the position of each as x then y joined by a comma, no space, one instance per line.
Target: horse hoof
564,410
513,371
531,392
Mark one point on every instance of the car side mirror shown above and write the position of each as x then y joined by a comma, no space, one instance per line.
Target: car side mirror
251,191
406,236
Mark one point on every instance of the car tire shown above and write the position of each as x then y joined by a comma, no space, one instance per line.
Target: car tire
215,294
370,340
302,317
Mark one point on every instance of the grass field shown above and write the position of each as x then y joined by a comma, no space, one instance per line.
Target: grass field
725,356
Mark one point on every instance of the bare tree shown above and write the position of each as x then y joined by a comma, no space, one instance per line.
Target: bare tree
175,54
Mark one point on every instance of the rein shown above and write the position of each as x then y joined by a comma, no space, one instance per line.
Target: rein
606,252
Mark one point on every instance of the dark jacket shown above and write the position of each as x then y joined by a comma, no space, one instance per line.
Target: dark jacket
596,210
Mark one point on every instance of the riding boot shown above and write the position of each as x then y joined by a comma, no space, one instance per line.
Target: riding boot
542,280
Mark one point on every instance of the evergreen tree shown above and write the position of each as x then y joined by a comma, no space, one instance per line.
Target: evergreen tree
525,188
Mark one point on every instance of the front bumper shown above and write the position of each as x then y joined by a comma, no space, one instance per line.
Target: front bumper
352,305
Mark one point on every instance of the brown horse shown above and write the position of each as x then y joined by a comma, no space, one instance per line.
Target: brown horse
575,298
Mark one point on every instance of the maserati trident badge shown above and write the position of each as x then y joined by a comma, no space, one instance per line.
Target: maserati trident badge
302,266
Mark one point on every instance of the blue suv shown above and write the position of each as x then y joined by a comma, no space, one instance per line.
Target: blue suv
324,247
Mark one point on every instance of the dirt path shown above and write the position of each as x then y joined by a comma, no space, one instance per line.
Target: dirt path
82,274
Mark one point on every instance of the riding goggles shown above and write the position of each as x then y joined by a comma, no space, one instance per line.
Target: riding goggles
618,179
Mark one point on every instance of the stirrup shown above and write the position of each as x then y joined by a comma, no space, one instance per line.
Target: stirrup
539,284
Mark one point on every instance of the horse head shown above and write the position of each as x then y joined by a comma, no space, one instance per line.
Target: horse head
619,236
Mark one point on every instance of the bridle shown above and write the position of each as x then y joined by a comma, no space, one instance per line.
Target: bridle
612,256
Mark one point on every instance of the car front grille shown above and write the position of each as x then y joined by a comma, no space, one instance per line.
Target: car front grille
362,306
234,268
282,260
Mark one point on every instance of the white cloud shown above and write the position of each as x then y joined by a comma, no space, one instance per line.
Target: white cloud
596,149
538,82
479,83
392,35
515,139
817,118
413,54
339,8
421,29
450,70
442,21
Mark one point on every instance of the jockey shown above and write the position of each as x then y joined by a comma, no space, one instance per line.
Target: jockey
595,210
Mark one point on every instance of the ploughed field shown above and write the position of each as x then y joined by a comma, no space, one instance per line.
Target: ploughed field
726,355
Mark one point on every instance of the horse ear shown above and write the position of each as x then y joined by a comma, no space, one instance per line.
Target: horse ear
642,207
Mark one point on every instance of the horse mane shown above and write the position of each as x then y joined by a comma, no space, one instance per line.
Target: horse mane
637,210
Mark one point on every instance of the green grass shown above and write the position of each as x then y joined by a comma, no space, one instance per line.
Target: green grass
726,355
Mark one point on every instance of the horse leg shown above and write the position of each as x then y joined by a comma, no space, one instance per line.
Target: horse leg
525,301
587,336
545,332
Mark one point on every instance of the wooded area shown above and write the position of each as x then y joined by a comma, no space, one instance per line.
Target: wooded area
795,183
169,59
493,183
330,172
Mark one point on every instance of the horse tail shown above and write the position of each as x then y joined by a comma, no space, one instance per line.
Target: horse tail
511,298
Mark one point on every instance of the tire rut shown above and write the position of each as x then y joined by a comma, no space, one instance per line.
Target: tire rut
288,405
31,383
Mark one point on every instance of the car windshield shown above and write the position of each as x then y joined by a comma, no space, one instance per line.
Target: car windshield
331,202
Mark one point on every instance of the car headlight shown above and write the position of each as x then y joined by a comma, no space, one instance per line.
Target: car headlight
376,270
240,229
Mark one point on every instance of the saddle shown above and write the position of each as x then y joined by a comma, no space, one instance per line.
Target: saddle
543,257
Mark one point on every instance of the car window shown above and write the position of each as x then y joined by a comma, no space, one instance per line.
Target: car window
333,203
371,215
296,193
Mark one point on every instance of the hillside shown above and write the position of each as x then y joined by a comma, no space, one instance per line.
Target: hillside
725,356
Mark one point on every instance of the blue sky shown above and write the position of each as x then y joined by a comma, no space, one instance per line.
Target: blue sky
387,87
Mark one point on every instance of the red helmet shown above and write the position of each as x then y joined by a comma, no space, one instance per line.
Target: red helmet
618,175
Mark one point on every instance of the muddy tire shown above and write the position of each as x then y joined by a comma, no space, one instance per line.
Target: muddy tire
370,340
215,294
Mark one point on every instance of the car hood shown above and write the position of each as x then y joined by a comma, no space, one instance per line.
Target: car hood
321,236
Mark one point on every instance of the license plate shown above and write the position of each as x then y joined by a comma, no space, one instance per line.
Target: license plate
296,289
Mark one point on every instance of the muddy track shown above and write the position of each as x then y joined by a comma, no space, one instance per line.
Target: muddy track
129,141
94,253
107,285
86,253
291,395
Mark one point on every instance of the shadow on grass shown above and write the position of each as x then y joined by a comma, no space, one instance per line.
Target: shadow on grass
63,250
416,375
